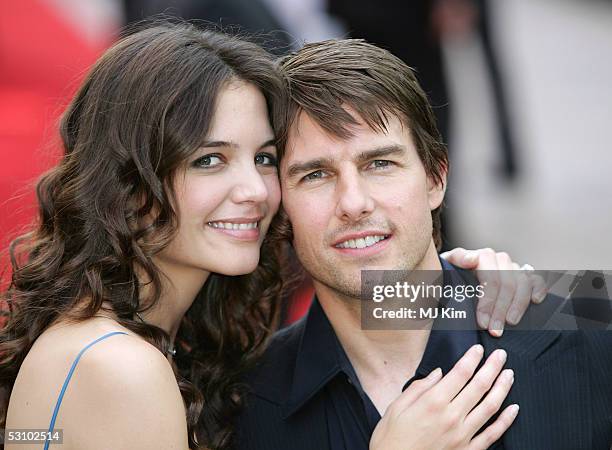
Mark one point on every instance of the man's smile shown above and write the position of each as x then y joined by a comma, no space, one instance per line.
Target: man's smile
365,243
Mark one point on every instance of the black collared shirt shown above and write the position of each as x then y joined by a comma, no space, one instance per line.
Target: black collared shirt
351,414
307,377
305,394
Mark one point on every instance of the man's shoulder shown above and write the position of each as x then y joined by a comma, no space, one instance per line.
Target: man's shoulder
599,342
568,351
272,376
260,423
263,422
562,374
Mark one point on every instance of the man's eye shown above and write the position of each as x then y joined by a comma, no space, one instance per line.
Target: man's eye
207,161
266,159
314,176
380,163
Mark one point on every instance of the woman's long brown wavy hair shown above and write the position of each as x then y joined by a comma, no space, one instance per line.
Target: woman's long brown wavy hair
144,108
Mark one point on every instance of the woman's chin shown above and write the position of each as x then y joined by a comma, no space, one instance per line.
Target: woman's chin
238,267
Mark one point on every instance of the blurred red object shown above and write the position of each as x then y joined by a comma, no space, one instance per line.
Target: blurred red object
44,57
299,302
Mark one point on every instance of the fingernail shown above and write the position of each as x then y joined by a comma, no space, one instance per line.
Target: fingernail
471,256
498,326
514,317
509,375
514,409
435,373
495,333
484,320
496,330
502,355
539,297
478,349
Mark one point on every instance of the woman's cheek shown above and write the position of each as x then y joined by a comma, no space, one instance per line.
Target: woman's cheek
274,193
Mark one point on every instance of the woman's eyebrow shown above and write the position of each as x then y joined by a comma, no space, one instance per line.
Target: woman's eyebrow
210,144
268,143
234,145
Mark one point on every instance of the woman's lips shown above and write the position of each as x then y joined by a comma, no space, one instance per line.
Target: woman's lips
243,229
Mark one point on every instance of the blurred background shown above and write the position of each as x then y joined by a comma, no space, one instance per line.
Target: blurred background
522,90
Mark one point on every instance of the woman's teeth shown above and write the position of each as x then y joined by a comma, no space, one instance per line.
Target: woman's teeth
233,226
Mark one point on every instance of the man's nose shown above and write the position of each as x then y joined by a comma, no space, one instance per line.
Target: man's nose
354,200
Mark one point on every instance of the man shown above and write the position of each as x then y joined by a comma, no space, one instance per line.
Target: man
363,176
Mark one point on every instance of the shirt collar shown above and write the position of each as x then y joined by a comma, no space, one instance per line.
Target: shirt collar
321,357
317,359
447,343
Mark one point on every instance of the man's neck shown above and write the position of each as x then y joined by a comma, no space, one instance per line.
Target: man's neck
383,359
389,356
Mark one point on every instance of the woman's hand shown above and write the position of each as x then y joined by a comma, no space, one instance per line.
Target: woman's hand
446,413
508,287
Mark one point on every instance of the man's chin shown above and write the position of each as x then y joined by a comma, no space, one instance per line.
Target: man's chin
374,262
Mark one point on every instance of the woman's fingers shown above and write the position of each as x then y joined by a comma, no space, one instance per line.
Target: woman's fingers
491,403
495,431
529,287
522,297
488,276
438,410
540,289
414,391
449,386
476,389
506,293
466,259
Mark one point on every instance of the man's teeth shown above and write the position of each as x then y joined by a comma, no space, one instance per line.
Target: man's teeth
361,242
233,226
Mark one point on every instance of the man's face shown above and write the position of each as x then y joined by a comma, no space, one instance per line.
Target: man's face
361,203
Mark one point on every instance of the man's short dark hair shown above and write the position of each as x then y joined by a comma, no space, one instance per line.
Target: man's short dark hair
326,77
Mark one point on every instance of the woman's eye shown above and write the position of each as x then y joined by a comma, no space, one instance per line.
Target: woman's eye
266,159
208,161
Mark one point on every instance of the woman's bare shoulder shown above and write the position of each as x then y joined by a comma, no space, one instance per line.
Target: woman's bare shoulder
122,393
58,346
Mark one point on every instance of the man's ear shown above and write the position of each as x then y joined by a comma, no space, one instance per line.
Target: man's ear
435,189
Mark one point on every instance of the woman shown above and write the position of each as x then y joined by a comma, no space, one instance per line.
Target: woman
149,234
163,199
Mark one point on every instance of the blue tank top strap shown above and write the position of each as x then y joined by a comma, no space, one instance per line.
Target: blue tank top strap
68,377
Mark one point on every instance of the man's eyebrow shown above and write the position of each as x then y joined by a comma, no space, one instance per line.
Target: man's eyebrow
308,166
233,145
321,163
380,152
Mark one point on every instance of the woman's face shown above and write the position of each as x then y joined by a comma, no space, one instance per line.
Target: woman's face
229,191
